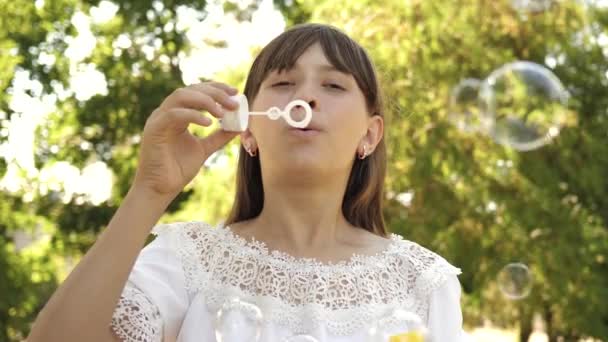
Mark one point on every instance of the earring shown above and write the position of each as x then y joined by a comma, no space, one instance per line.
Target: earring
364,154
251,153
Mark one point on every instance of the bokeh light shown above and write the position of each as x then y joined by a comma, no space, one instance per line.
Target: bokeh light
531,6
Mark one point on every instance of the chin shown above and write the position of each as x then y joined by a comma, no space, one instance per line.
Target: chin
300,162
303,161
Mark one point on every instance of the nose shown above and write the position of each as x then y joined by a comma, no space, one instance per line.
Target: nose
312,104
306,93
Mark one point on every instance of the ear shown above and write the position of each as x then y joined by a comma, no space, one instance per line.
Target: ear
373,135
247,138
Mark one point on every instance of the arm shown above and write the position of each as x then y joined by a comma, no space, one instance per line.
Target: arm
445,316
81,309
169,158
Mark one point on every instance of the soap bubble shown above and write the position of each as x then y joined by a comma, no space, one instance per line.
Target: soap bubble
531,6
464,110
525,104
399,325
301,338
238,320
515,281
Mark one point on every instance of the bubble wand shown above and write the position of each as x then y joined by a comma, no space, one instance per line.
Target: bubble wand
238,121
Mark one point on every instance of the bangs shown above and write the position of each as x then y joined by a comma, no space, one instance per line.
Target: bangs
341,51
291,48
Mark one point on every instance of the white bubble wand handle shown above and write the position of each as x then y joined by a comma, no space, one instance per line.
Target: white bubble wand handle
238,121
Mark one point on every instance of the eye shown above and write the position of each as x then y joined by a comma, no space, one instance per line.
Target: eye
281,84
334,86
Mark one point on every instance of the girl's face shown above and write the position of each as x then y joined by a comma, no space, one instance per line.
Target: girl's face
340,119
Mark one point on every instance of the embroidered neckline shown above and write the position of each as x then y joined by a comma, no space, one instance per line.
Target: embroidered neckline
304,294
260,249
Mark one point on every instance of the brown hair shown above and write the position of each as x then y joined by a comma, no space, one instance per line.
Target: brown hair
362,203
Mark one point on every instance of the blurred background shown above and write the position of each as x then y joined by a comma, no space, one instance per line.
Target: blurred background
497,130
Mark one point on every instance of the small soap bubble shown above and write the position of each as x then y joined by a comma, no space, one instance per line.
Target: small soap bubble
526,105
398,325
238,320
515,281
301,338
464,110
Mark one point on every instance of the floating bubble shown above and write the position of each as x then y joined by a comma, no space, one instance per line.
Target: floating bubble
398,325
515,281
464,110
531,6
525,104
238,320
301,338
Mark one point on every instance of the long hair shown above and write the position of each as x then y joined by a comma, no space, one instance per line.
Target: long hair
362,202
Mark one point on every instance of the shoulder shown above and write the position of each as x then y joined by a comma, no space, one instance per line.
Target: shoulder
188,241
427,269
171,228
180,232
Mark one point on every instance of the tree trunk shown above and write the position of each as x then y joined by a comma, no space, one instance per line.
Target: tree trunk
525,325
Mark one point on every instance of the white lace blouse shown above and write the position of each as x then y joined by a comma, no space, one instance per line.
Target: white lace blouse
183,277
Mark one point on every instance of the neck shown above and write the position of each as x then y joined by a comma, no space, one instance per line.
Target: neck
304,217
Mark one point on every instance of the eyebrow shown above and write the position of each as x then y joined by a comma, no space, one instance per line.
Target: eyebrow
322,67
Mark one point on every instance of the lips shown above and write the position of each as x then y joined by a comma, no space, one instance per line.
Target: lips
311,127
303,133
306,129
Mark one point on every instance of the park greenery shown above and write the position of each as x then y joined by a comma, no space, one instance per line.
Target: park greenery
479,204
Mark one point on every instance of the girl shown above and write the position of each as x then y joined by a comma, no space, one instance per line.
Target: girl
305,240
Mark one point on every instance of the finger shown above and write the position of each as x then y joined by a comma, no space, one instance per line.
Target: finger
192,99
228,89
217,140
182,117
219,95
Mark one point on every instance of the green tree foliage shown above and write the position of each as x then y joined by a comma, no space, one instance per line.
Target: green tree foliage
548,210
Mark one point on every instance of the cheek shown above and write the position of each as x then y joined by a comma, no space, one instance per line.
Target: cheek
265,131
348,134
266,99
351,121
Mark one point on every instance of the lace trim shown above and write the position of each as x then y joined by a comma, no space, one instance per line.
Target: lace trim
304,294
136,318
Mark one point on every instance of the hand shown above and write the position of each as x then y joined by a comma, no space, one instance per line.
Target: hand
170,156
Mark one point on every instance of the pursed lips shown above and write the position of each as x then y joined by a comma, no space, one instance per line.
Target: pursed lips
310,127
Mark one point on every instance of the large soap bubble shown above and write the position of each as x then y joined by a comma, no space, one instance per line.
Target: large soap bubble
464,110
238,320
398,325
525,104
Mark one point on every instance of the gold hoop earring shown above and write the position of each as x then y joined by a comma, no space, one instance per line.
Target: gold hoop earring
364,154
250,152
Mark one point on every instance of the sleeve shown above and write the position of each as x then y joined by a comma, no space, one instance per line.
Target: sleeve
154,300
445,315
